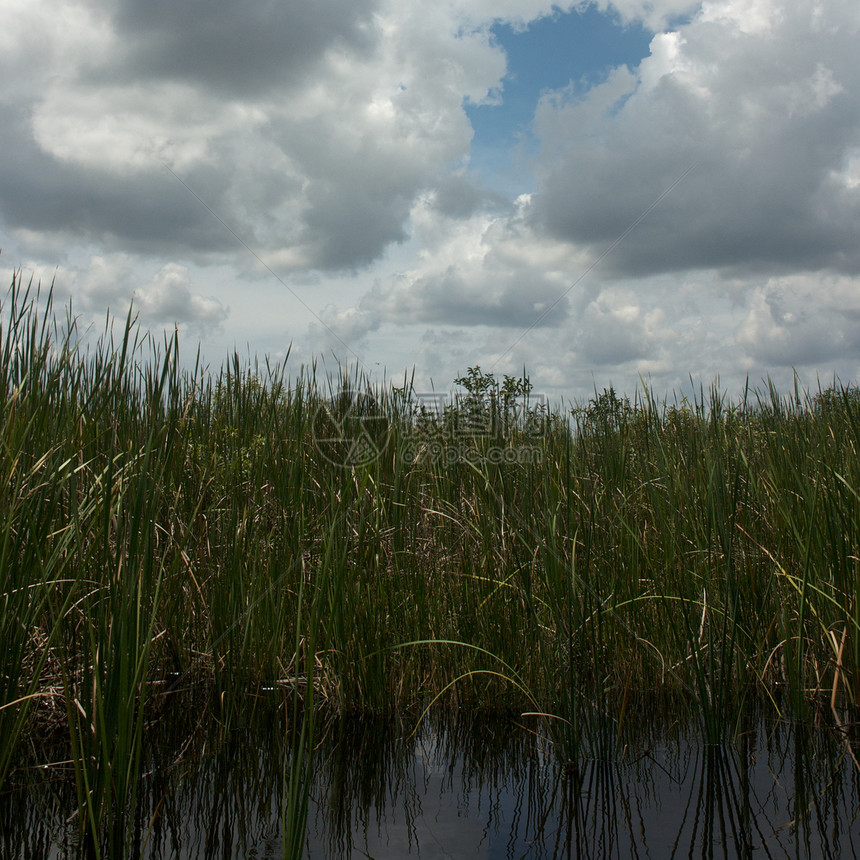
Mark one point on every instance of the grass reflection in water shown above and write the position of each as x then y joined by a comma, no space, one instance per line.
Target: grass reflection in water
465,788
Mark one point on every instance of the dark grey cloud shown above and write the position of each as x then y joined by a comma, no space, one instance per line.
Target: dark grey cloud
459,196
513,301
353,215
137,211
764,121
236,47
357,200
361,185
310,129
346,231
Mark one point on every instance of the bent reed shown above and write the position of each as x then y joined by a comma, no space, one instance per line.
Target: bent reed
257,537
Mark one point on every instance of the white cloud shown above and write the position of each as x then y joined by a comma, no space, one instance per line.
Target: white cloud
747,16
122,129
168,299
331,139
367,114
489,270
803,320
764,116
342,330
112,285
657,15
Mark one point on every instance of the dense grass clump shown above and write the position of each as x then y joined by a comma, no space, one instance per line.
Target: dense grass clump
253,533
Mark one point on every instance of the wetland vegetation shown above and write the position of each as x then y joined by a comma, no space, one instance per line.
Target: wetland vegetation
262,541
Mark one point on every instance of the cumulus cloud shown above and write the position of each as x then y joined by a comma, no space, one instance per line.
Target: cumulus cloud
168,299
758,101
732,148
503,276
657,15
615,329
801,320
342,330
41,195
308,129
113,285
695,213
236,48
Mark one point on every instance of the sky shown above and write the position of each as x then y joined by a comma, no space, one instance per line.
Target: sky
656,193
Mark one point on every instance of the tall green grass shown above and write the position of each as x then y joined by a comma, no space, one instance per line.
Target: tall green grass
261,528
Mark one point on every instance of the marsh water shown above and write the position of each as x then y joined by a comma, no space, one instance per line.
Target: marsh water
458,788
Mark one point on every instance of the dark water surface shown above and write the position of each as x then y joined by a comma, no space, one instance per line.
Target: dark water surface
487,789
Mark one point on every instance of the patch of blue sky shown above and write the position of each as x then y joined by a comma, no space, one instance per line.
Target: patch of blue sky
579,47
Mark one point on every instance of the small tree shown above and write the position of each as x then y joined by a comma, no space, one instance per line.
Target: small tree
605,413
491,404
